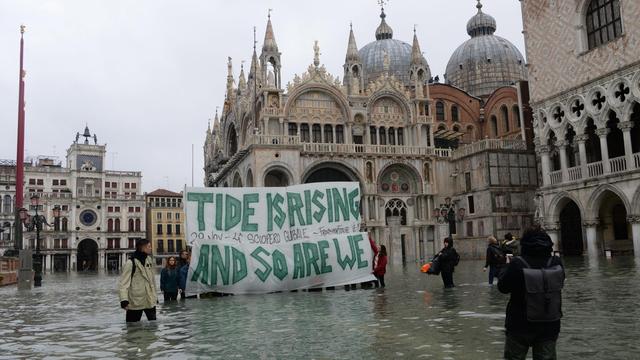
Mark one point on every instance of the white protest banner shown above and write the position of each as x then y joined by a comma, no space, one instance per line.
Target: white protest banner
260,240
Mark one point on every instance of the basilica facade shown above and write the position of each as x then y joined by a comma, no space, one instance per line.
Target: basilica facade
585,94
432,159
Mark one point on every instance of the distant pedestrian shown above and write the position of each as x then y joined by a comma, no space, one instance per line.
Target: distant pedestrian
535,282
137,285
183,260
510,245
495,259
182,277
448,258
169,280
381,266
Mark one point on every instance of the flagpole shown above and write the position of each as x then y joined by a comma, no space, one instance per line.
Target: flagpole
20,147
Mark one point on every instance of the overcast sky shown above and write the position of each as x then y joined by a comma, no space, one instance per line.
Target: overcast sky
146,75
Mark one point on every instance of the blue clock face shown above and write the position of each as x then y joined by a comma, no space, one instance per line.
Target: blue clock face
88,217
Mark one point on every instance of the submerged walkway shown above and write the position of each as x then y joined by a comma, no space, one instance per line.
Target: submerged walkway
78,316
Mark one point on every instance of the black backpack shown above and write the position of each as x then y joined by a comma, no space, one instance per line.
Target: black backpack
543,291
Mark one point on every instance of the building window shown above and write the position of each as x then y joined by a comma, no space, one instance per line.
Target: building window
56,182
317,133
177,216
439,111
132,243
137,209
471,205
304,132
170,247
516,116
293,129
65,224
126,185
158,216
339,134
40,182
373,135
469,228
604,22
63,183
160,246
130,209
454,113
168,216
131,225
467,181
137,224
110,225
169,229
159,229
177,229
494,126
107,184
117,209
117,225
178,245
400,137
328,133
392,136
505,118
383,136
134,185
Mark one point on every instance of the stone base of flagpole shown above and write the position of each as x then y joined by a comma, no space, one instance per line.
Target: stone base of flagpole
25,272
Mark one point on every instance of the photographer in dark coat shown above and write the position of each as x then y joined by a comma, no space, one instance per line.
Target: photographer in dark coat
541,336
448,258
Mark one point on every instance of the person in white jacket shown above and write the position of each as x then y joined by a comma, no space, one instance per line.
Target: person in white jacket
137,285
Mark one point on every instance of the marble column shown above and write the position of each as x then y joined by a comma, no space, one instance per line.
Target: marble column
604,149
562,146
543,150
628,150
395,245
581,140
591,228
553,230
635,232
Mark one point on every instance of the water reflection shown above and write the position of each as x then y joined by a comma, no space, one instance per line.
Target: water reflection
78,316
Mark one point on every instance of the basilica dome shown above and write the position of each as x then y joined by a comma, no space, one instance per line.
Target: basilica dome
485,62
399,52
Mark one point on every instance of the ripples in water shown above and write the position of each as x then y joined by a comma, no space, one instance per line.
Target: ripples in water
78,316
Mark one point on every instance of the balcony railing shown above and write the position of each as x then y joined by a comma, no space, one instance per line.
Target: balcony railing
374,149
490,144
556,177
618,164
597,169
276,140
575,173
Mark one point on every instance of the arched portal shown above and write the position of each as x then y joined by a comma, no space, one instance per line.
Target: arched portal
571,229
237,181
326,172
87,255
614,228
276,178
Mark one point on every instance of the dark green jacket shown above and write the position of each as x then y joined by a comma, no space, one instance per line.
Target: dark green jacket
169,280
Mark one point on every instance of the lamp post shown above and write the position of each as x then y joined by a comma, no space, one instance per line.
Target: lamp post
36,222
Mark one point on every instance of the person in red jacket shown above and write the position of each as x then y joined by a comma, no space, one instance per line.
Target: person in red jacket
381,266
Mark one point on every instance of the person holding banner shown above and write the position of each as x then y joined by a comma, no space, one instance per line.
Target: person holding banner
381,266
169,280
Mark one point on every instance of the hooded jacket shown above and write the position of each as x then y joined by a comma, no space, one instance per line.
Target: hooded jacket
536,250
140,289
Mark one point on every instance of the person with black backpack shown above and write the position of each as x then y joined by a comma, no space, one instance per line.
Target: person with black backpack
137,285
495,259
535,282
448,258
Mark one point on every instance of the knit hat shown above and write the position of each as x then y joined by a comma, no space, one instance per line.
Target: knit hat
536,242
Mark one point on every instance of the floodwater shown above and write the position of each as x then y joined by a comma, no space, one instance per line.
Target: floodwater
77,315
